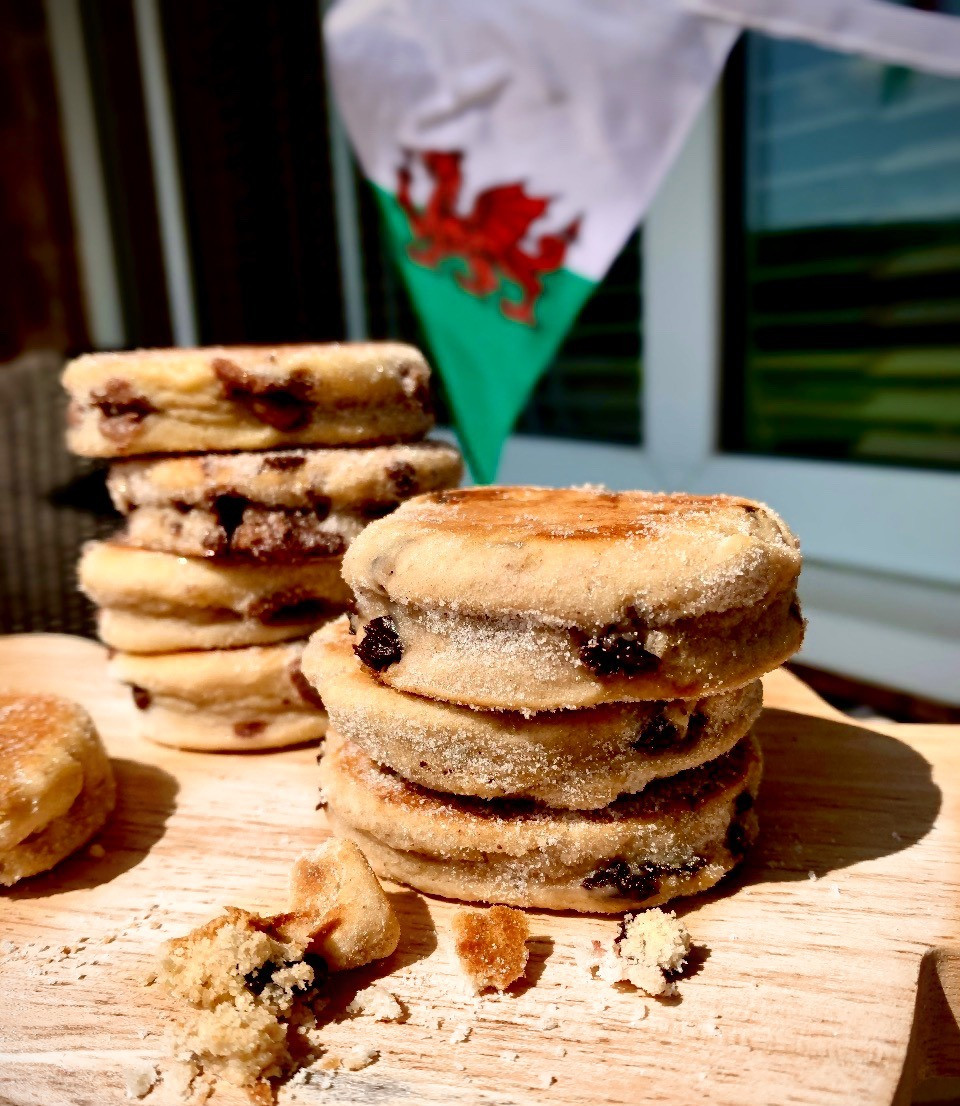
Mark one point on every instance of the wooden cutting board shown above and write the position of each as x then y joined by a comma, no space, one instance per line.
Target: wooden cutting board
823,973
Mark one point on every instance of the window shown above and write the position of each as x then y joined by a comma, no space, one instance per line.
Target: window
843,303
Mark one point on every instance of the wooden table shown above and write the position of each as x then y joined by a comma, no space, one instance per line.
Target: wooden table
826,972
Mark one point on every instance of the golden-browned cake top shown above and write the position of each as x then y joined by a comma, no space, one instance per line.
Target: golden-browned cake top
579,555
44,743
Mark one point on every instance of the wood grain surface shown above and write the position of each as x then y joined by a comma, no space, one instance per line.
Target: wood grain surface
825,971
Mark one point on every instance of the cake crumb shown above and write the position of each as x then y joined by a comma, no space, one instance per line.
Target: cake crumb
140,1078
461,1033
559,1052
250,986
492,945
359,1057
376,1002
651,947
546,1081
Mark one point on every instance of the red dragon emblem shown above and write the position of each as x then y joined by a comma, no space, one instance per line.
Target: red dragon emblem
489,239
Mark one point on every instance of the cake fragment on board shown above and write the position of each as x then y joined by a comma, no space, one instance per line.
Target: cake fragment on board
246,985
492,945
649,951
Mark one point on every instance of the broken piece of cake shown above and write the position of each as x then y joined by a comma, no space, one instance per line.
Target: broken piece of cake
649,951
246,982
492,945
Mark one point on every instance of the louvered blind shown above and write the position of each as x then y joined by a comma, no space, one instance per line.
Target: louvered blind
843,244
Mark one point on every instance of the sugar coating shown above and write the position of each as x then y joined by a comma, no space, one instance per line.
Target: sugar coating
292,479
575,759
582,557
246,398
496,593
518,853
492,946
262,535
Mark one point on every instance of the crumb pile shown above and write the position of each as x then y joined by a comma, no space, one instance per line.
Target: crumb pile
243,474
249,987
544,697
649,952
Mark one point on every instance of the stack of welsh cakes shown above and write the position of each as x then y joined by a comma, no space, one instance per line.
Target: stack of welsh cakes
545,697
244,474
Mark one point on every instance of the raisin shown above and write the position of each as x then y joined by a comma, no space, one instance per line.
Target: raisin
403,477
637,881
737,839
381,645
141,697
743,802
657,735
122,410
372,509
249,729
285,607
616,651
308,693
283,405
284,536
284,462
320,505
228,510
257,979
321,974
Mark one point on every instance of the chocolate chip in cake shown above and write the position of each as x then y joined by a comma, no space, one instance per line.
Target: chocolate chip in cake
381,645
141,697
249,729
285,405
122,410
618,651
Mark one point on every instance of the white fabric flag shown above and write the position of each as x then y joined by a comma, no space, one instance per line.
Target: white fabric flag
515,146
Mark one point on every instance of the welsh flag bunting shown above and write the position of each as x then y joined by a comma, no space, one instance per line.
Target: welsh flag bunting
513,148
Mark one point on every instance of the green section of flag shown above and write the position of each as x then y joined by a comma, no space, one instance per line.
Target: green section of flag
489,364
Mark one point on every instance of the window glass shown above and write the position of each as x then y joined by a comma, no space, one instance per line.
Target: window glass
843,247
